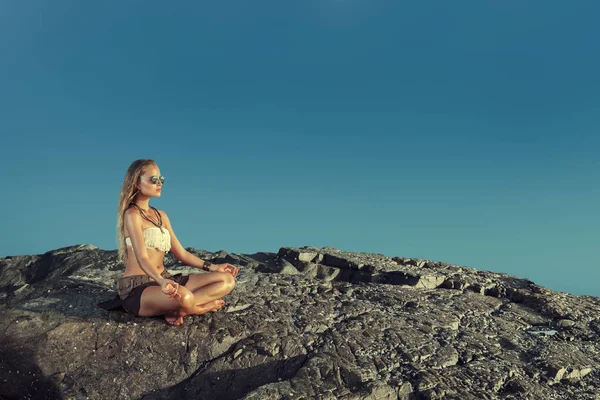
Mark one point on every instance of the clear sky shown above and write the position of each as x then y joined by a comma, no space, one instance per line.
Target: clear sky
465,132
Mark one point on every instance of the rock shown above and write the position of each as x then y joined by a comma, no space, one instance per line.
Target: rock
566,361
565,323
287,268
301,323
445,357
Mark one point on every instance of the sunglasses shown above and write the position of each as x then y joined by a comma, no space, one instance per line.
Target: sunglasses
154,179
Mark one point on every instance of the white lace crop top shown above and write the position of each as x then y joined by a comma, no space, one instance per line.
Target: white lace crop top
155,238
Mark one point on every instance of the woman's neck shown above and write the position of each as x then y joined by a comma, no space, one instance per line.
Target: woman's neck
143,204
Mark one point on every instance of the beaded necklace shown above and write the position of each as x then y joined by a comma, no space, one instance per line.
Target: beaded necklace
157,222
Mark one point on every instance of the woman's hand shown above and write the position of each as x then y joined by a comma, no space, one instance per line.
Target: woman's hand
169,287
231,269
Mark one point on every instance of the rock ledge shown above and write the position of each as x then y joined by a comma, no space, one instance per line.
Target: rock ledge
302,323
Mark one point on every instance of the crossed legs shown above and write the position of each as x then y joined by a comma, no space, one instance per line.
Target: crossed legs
201,294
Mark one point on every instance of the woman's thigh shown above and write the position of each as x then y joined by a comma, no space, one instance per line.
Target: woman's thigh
197,281
154,302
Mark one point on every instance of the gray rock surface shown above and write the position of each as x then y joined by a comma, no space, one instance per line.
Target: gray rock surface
305,323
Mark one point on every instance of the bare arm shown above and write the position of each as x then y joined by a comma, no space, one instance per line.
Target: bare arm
177,249
133,223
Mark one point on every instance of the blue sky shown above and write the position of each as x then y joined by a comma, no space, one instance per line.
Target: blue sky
463,132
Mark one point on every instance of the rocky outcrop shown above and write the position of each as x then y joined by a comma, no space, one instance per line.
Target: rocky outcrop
301,324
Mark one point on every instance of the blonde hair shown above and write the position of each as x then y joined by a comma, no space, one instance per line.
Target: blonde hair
128,193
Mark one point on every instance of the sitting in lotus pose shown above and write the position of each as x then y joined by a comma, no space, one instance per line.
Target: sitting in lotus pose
145,235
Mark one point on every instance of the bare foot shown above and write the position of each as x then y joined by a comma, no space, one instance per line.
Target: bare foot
211,306
173,319
218,305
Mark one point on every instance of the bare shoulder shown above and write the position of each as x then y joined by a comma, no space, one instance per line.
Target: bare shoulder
131,214
162,213
164,216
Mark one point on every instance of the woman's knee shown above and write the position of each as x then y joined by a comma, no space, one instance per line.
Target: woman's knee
229,282
187,300
228,279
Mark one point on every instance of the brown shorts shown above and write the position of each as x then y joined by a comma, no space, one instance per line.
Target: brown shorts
130,289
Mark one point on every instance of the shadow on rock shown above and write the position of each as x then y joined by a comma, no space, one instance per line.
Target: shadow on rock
230,384
20,377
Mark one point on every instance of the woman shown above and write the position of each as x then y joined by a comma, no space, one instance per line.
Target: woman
145,235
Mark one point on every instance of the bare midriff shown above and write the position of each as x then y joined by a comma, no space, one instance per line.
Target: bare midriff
156,258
